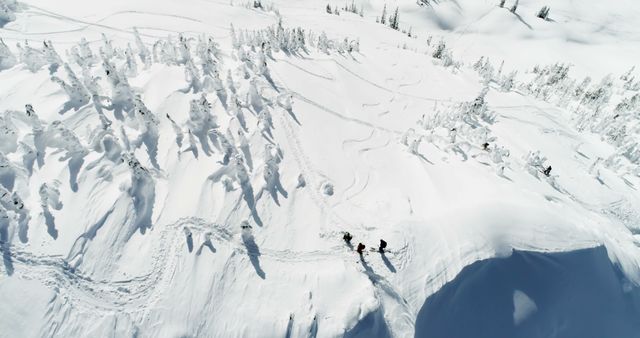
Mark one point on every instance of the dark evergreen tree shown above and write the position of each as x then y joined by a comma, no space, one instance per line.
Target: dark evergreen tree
394,20
543,13
383,18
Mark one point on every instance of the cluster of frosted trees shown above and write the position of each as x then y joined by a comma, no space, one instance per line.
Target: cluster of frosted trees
460,129
232,101
607,107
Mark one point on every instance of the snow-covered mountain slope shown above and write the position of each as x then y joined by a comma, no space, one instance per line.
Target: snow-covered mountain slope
188,168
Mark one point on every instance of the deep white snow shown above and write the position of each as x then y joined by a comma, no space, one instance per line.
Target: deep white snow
187,168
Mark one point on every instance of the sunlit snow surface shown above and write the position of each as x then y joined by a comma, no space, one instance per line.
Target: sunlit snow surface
152,211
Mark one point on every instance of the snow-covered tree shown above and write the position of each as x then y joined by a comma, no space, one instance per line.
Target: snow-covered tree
34,59
51,56
543,13
37,132
8,134
11,201
142,192
383,18
122,95
394,20
150,133
201,123
7,59
535,163
508,82
143,51
107,51
192,76
62,138
78,94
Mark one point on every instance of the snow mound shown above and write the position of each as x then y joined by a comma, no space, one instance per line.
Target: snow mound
575,294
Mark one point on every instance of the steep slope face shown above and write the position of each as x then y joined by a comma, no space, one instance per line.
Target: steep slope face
575,294
191,171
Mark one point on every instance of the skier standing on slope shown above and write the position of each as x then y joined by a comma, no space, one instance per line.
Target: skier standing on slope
383,245
547,171
360,248
347,237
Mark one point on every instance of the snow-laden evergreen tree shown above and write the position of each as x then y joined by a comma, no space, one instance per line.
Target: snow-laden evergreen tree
328,9
271,173
107,51
478,109
51,56
600,95
230,83
501,4
85,53
184,50
485,69
50,196
122,95
8,172
11,201
394,20
439,52
37,133
62,138
130,66
178,131
143,51
28,157
535,163
33,59
260,63
207,48
142,192
383,18
629,104
150,134
7,59
507,83
201,123
192,76
265,122
78,94
234,38
166,52
253,96
8,134
100,101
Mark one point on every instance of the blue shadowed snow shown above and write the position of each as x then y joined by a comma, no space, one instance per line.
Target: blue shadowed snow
577,294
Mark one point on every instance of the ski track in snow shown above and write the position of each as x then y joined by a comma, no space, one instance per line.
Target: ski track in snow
138,293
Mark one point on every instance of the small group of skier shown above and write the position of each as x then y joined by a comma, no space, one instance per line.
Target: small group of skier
347,237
